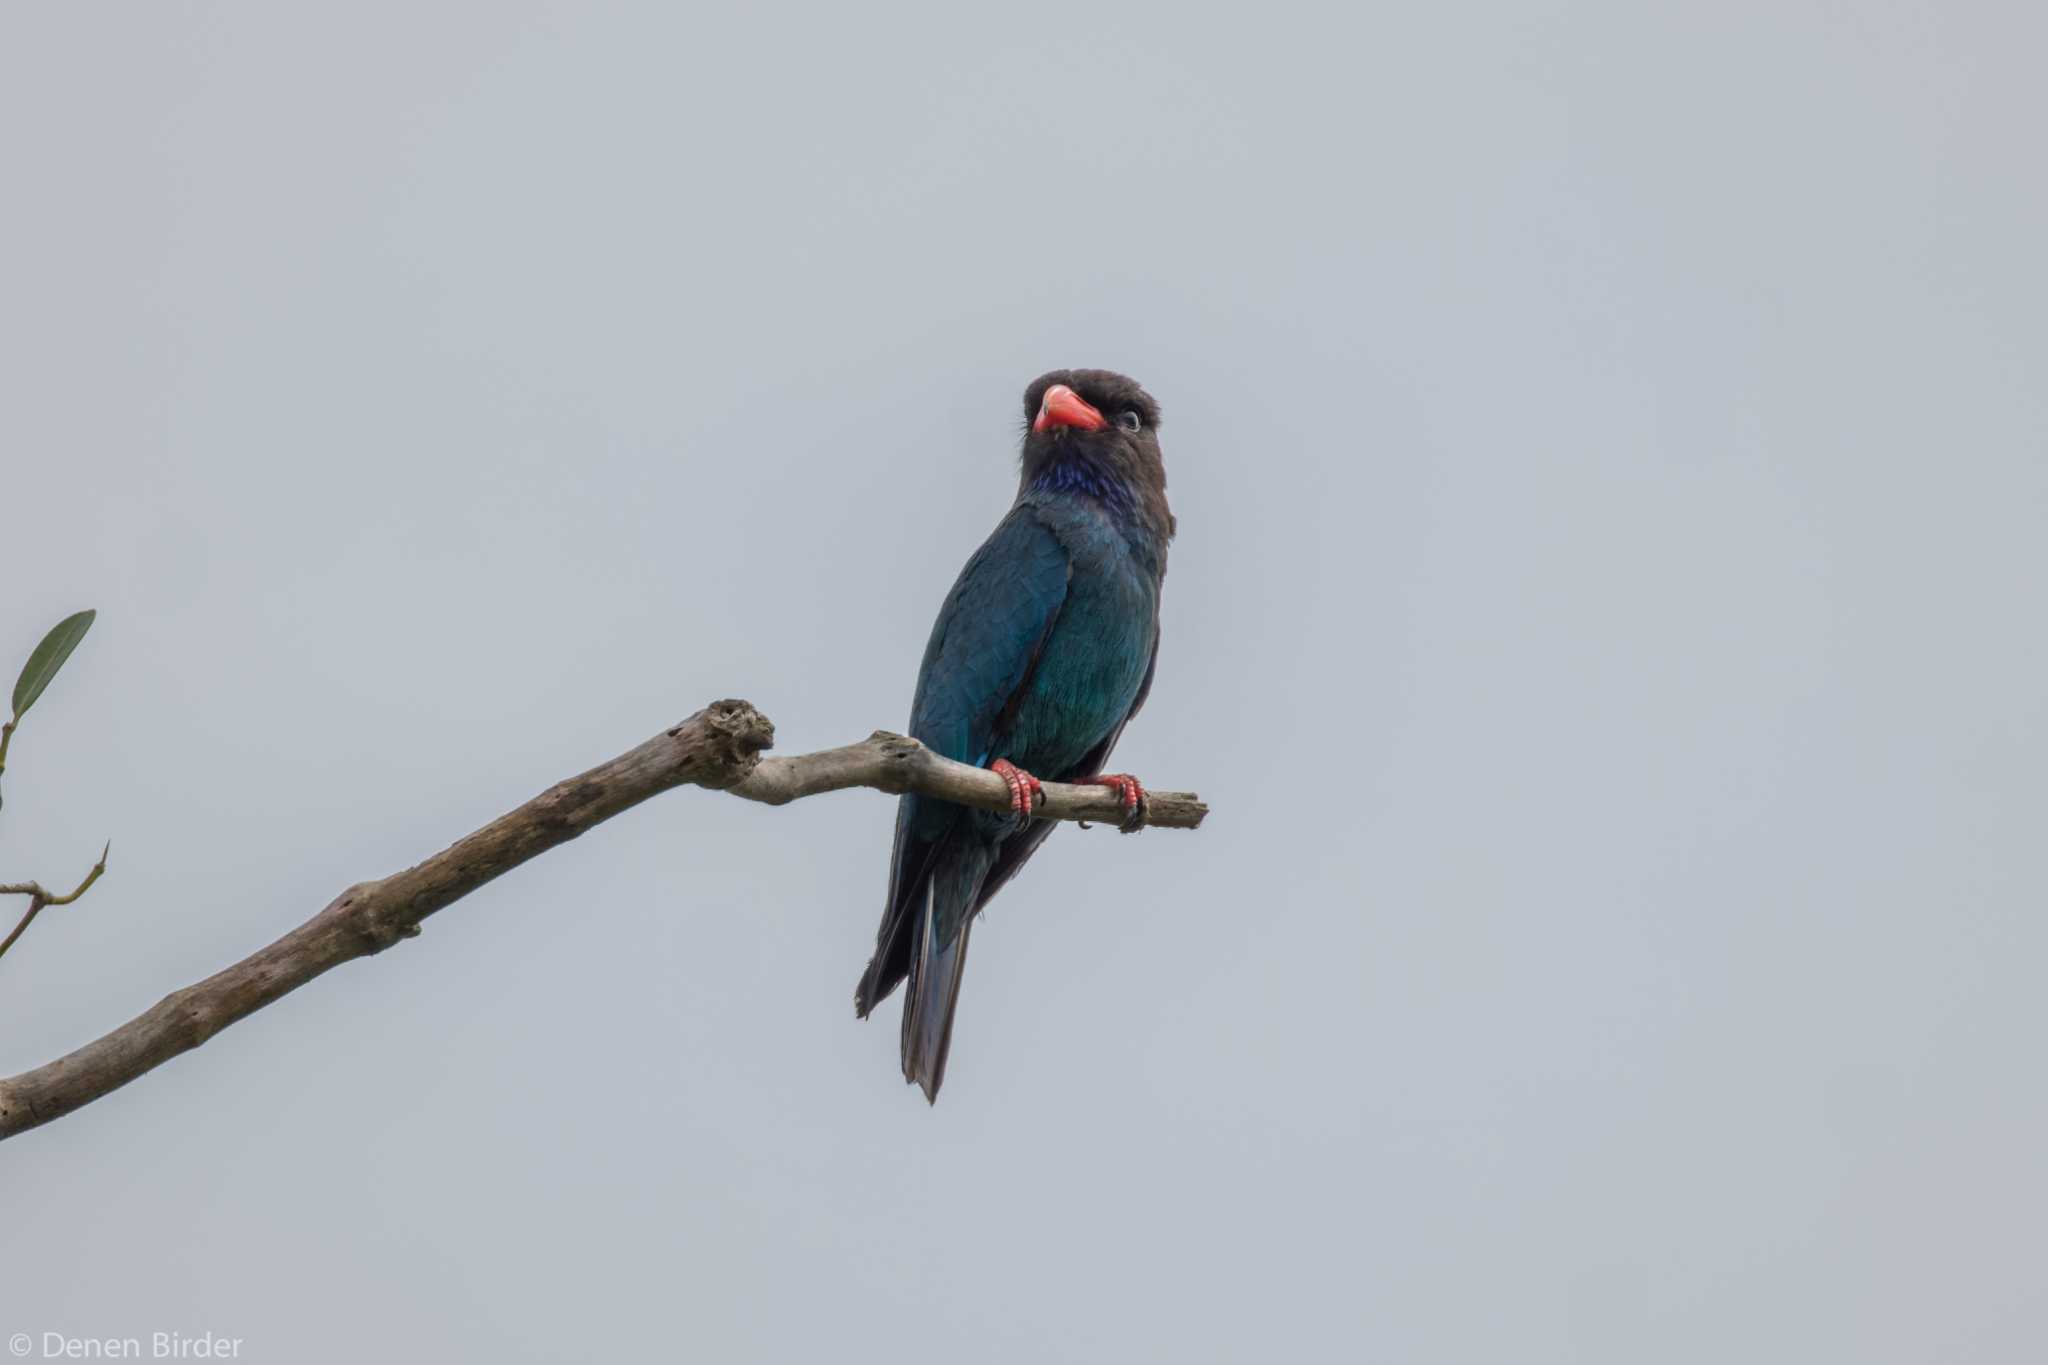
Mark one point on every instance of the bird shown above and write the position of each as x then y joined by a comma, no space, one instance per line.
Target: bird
1041,654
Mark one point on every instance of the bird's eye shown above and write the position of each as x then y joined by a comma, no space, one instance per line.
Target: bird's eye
1129,420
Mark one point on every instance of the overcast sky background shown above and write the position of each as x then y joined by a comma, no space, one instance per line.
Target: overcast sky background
1611,451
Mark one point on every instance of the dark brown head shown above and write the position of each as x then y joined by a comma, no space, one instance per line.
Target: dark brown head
1096,433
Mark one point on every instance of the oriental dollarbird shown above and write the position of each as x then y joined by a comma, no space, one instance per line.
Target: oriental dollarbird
1041,655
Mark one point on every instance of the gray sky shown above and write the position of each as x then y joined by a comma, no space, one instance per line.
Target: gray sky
1611,454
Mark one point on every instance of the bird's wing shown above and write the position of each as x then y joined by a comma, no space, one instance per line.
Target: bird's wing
983,649
1098,758
988,638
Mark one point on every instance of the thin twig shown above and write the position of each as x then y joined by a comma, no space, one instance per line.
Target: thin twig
35,907
38,898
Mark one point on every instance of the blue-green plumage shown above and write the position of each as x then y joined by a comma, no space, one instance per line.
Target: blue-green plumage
1041,653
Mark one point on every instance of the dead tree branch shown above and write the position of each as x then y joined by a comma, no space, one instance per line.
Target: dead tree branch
896,763
719,747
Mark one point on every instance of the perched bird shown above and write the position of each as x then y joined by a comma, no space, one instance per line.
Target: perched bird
1041,654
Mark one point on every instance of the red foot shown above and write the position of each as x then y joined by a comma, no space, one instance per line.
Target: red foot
1130,793
1026,795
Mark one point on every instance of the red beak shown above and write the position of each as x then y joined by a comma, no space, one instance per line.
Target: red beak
1062,407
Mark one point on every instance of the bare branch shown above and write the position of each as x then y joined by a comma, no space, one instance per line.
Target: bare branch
35,907
719,747
36,890
896,763
38,898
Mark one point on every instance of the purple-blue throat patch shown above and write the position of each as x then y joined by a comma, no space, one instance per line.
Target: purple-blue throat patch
1082,475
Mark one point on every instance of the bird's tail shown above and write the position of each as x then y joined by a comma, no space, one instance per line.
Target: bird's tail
938,960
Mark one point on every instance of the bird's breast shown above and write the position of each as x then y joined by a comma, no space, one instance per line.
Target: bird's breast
1093,663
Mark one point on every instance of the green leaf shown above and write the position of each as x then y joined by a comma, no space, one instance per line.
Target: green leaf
48,658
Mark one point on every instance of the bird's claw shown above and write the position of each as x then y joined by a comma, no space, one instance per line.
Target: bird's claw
1130,794
1026,793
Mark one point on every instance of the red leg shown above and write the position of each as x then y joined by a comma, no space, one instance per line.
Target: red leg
1129,792
1026,795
